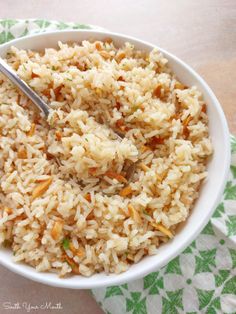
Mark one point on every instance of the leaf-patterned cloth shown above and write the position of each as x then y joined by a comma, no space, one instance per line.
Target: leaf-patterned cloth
200,280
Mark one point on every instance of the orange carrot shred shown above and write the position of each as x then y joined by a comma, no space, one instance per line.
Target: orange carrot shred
134,214
125,191
41,188
157,91
57,230
22,153
117,176
204,108
33,75
92,170
88,197
163,229
58,135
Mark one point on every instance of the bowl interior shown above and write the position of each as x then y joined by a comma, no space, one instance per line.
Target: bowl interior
210,191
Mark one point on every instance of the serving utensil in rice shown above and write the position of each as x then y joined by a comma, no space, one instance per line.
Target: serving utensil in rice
42,105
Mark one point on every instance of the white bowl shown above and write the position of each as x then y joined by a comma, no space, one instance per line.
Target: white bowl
211,190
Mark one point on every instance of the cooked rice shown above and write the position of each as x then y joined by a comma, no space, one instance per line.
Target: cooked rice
66,202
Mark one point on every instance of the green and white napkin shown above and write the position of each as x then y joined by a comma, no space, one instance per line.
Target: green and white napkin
200,280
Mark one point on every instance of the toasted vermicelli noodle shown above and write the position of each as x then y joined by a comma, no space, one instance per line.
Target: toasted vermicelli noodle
114,170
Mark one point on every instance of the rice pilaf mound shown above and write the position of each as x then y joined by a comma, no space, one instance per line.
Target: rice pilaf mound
117,168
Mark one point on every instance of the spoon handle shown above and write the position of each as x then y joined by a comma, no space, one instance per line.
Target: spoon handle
24,87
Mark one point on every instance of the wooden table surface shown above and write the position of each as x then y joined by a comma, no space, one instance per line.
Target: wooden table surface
202,33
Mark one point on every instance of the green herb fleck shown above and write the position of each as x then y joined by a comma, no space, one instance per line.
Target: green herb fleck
65,243
53,68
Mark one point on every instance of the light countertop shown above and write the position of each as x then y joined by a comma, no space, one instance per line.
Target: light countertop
202,33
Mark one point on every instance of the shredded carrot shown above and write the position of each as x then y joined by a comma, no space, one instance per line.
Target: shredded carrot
46,92
92,170
130,257
68,259
120,123
145,148
162,175
90,215
204,108
120,56
153,188
22,153
57,91
185,126
36,118
49,156
98,91
60,98
186,132
121,79
187,120
157,91
57,230
142,107
123,212
179,85
40,180
20,217
176,116
79,252
32,130
144,167
118,105
33,75
126,191
134,214
18,96
88,197
166,208
81,66
72,248
117,176
163,229
41,188
156,141
98,45
8,210
58,135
